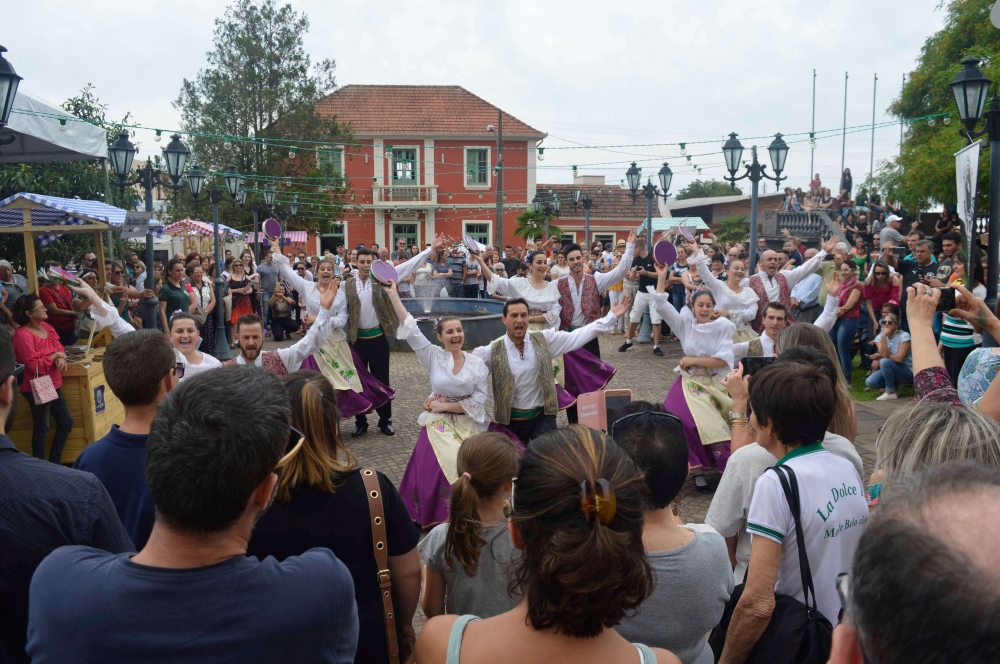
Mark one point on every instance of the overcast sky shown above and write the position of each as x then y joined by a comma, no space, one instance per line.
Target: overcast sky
594,72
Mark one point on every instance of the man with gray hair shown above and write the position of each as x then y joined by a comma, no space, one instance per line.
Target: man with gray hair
924,585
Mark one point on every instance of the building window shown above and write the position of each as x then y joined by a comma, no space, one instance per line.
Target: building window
334,236
477,167
404,166
330,157
407,232
480,232
604,239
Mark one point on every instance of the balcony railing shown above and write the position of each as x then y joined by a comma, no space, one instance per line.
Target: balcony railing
812,226
393,195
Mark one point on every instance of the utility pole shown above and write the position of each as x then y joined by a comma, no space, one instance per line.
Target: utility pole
812,136
871,165
499,225
843,133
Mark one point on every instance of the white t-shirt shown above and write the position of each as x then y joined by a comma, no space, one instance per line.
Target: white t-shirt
207,362
834,514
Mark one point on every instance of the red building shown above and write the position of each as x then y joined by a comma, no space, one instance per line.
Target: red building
424,162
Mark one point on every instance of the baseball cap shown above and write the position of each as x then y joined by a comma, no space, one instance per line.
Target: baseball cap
892,218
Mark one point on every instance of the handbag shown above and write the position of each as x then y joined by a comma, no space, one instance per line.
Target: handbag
43,390
198,312
397,652
797,633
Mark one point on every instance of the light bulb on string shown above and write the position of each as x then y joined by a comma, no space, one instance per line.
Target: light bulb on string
288,182
683,149
541,154
158,136
63,126
947,120
227,145
291,153
480,195
931,122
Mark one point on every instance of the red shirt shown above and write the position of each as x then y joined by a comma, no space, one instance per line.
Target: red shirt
879,296
62,297
846,294
33,352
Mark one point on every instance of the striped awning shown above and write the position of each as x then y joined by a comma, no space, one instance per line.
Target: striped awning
193,226
291,237
58,211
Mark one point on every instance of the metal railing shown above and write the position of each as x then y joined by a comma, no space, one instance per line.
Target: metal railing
807,226
403,194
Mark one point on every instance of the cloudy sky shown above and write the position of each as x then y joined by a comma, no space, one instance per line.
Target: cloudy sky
590,72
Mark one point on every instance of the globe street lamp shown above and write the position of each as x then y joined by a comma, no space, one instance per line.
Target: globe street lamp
233,180
970,87
549,208
9,81
121,154
733,152
650,190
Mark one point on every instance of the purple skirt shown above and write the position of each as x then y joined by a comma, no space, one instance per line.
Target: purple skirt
350,403
585,372
425,490
699,456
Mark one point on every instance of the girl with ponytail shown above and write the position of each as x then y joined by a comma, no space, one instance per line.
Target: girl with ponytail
577,519
468,558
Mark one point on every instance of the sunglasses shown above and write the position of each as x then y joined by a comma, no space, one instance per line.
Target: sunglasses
17,373
117,272
881,274
178,369
656,413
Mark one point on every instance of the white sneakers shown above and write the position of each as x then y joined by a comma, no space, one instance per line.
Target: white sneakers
887,396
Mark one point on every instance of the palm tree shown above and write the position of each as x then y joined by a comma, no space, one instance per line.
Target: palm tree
732,229
531,226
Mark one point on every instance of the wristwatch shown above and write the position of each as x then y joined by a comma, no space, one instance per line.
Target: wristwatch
737,416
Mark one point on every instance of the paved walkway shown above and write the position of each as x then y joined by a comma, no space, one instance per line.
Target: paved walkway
648,377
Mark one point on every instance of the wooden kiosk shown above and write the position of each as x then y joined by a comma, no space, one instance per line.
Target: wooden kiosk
91,402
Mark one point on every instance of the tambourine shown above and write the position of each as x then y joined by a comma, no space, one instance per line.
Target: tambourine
471,245
664,252
686,232
383,273
272,230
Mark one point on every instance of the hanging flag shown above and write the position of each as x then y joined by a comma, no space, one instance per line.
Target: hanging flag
967,174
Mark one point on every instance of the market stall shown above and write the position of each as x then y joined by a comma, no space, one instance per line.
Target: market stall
43,219
196,236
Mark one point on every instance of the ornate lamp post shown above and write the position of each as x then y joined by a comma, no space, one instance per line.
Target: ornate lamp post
587,204
9,81
970,87
650,191
549,208
733,152
121,154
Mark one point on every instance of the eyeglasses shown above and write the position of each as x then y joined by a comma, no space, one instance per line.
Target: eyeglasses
296,439
657,413
177,369
117,272
17,373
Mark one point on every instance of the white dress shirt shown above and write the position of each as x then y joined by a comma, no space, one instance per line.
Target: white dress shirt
527,391
824,322
603,279
368,319
311,295
772,286
294,355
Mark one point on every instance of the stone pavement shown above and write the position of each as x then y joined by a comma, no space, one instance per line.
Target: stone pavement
648,377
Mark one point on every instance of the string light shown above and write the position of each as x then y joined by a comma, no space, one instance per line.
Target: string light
541,154
63,126
158,136
227,145
683,149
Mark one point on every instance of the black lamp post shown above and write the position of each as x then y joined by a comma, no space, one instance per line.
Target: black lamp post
269,194
550,208
634,176
587,204
233,179
971,87
733,152
9,81
121,154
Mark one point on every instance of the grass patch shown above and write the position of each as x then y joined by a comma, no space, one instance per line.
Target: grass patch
858,391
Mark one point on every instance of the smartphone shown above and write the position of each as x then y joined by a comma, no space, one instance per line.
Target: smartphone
752,365
947,301
615,403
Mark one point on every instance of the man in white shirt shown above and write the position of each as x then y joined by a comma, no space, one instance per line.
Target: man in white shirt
805,295
524,396
775,320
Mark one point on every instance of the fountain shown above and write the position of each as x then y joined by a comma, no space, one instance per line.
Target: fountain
480,319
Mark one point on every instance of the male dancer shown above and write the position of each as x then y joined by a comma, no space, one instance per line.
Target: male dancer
524,389
250,332
775,319
580,299
371,317
770,285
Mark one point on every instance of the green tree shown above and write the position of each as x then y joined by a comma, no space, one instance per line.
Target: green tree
733,228
260,83
706,189
66,179
531,226
924,173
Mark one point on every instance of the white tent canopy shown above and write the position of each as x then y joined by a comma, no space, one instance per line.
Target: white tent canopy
35,124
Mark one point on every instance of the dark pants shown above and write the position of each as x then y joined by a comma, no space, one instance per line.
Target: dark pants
808,315
593,346
374,354
526,430
954,358
40,417
282,326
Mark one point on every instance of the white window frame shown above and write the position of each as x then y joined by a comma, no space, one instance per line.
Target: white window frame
347,241
392,232
332,148
489,225
594,237
417,171
489,167
571,234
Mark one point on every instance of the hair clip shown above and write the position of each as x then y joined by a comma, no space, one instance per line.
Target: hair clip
601,503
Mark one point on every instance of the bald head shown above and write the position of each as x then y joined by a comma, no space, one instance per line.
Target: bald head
769,262
810,253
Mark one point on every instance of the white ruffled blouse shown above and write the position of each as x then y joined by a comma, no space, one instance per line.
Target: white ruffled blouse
544,300
742,306
712,339
468,386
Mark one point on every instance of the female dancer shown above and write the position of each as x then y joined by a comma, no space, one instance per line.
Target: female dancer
733,301
454,411
698,397
358,391
543,302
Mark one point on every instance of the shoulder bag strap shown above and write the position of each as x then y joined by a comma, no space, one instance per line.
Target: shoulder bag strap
377,513
790,485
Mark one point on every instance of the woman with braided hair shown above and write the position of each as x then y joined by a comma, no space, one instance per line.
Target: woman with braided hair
454,411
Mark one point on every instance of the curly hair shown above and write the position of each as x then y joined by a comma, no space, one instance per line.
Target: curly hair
580,576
